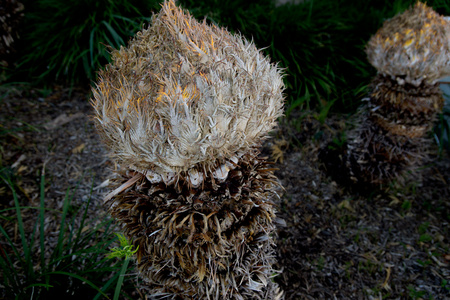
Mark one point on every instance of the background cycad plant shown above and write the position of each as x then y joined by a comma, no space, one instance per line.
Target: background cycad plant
183,109
411,53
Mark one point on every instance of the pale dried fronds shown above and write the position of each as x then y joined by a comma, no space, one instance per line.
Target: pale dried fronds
413,46
184,93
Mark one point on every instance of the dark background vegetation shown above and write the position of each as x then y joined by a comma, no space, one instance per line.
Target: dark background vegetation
320,44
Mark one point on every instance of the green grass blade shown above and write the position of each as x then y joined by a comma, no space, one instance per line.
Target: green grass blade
121,278
106,285
117,39
91,45
130,21
59,246
19,215
298,102
42,218
27,207
26,247
10,275
39,284
10,242
78,235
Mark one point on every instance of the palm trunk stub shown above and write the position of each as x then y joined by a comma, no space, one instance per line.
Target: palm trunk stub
391,136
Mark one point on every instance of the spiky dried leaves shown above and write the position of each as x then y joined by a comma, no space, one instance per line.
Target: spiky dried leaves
377,154
412,47
215,240
185,93
404,110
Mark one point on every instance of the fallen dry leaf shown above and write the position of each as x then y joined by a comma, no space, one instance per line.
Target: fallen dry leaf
346,204
61,120
278,150
79,148
21,169
18,161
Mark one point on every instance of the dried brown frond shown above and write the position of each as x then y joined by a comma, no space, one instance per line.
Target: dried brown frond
378,153
278,149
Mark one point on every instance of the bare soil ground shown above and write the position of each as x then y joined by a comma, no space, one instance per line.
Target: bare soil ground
338,243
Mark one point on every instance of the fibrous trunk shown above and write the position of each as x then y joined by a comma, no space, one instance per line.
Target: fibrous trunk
215,240
391,137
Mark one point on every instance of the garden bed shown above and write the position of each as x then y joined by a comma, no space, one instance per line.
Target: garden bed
338,243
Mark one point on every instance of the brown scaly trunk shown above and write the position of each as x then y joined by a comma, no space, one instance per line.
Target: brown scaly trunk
391,137
216,239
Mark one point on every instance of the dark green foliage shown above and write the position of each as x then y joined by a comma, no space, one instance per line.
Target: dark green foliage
67,40
320,43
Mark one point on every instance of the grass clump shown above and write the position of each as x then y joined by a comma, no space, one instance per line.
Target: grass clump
77,264
67,40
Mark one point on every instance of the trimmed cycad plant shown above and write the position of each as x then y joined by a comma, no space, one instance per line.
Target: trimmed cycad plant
411,52
183,109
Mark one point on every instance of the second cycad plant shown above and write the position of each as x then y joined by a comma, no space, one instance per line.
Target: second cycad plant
411,52
183,109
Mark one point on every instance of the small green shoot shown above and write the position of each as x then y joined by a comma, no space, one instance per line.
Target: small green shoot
125,250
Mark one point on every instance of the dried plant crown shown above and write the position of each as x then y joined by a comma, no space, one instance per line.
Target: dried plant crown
412,47
186,97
